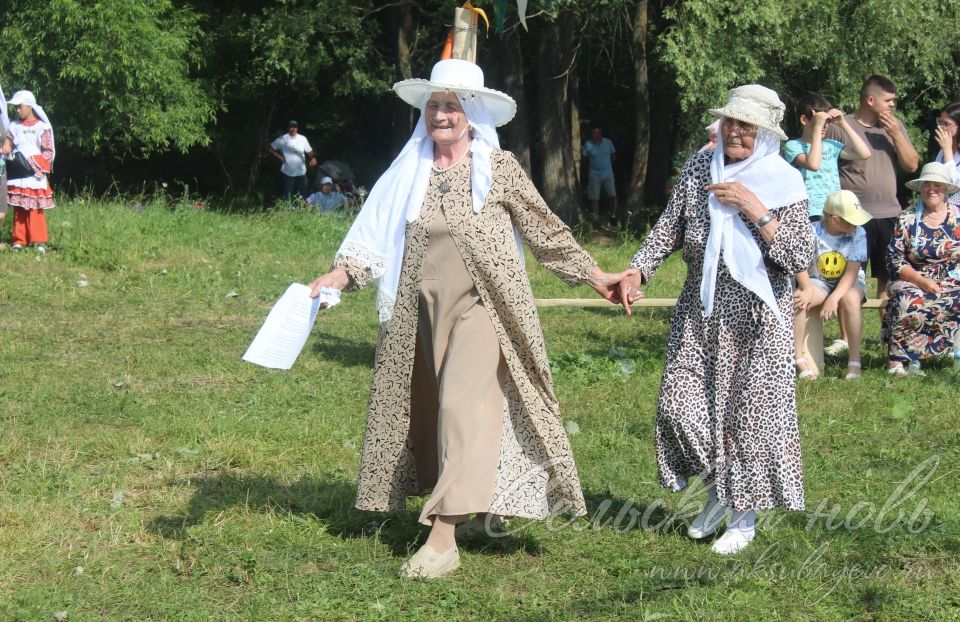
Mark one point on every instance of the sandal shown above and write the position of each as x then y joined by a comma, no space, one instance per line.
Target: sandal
896,370
853,370
805,372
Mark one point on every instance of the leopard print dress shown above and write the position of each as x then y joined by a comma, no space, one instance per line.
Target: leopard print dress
536,473
727,409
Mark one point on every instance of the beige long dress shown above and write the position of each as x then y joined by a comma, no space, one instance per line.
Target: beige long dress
534,472
459,373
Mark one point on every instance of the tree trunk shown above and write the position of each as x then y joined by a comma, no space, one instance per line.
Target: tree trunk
405,115
516,134
552,134
636,191
262,139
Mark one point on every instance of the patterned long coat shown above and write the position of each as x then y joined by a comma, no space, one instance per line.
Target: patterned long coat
537,475
727,409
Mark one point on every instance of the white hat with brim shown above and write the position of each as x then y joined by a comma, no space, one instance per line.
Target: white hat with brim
23,97
754,104
935,172
463,78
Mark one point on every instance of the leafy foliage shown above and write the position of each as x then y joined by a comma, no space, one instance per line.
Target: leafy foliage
114,74
827,46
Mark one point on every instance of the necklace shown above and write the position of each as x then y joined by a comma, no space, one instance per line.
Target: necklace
935,219
459,160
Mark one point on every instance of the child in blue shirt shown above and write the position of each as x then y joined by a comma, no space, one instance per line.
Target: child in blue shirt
835,280
818,157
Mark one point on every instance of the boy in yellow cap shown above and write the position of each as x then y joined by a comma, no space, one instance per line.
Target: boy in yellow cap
834,281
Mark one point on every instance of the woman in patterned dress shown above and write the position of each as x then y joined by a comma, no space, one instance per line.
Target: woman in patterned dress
462,399
922,317
727,409
32,135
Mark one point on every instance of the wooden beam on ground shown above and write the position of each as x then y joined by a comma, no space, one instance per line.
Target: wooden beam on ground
600,302
584,303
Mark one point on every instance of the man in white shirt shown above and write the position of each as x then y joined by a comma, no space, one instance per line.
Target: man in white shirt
294,151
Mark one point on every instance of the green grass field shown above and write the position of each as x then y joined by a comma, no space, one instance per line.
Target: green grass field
147,473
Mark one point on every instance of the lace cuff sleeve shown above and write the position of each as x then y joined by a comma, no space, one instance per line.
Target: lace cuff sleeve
361,264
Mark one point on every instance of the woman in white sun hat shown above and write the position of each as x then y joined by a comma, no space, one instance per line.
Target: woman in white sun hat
462,400
32,135
727,411
921,319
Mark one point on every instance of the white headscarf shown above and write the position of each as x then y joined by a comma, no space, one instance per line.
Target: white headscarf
775,183
376,239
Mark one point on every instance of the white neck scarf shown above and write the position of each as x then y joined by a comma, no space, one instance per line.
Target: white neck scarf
376,239
776,184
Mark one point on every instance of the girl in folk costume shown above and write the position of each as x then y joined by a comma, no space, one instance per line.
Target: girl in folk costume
32,135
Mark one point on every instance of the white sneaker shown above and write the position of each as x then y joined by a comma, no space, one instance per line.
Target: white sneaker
41,248
838,347
733,541
707,521
428,564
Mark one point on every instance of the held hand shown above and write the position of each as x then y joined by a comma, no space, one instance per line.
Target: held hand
313,162
608,285
829,308
630,291
336,278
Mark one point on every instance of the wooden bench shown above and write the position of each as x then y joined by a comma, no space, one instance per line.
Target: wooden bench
812,340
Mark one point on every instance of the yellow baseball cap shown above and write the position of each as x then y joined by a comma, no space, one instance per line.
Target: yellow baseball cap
846,205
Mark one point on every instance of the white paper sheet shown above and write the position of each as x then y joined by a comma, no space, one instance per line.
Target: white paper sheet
285,331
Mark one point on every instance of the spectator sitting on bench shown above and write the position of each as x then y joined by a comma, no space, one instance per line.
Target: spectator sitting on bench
835,281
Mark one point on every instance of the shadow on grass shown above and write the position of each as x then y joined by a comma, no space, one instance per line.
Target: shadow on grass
329,500
354,353
609,512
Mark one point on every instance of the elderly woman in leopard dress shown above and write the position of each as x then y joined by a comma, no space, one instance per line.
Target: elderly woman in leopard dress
462,402
727,410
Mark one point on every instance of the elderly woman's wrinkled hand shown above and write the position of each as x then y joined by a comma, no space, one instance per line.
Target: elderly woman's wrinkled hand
628,289
739,196
608,285
335,279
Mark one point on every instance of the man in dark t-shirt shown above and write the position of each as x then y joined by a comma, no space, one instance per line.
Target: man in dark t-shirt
874,180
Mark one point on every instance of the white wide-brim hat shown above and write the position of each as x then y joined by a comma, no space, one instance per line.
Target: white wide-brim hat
461,77
754,104
935,172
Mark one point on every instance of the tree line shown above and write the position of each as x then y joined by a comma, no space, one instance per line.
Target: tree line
191,91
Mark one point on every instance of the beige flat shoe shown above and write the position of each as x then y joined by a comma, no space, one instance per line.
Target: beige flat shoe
428,564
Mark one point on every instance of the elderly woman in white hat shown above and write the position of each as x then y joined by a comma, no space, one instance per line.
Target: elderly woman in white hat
32,135
727,410
462,400
921,319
